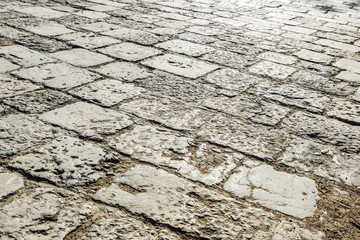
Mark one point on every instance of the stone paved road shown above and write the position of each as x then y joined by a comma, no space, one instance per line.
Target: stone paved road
196,119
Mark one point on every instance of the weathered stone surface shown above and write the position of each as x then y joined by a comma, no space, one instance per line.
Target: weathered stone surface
278,58
338,45
291,230
88,40
24,56
9,183
314,56
317,68
229,59
81,57
293,95
185,47
171,113
99,27
197,161
42,12
11,87
287,193
41,213
232,79
133,35
207,31
248,108
349,77
322,160
123,71
356,96
350,65
169,199
272,70
320,83
87,119
43,44
253,139
66,161
57,75
180,65
107,92
49,29
6,66
130,51
91,14
18,132
326,130
345,110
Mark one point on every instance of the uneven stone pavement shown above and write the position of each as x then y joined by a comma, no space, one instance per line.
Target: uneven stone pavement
197,119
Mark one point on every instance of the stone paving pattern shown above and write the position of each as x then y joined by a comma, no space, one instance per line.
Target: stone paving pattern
189,119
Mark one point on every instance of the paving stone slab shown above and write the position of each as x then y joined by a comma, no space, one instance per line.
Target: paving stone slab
88,40
91,14
254,139
172,113
201,162
248,108
232,79
24,56
322,160
356,96
11,87
317,68
107,92
330,131
58,75
37,101
81,57
229,59
18,133
293,95
196,38
314,56
66,161
278,58
338,45
130,51
42,44
49,29
88,120
42,12
350,65
123,71
9,184
180,65
281,191
99,27
272,70
184,47
133,35
6,66
173,24
42,213
207,31
168,199
349,77
320,83
345,110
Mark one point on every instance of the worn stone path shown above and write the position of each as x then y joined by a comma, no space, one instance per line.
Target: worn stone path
197,119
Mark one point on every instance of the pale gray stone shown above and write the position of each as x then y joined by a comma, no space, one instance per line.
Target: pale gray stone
58,75
172,113
314,56
347,111
356,96
173,24
123,71
299,29
278,58
321,69
290,230
199,162
326,130
99,27
42,12
87,119
18,133
207,31
9,184
133,35
287,193
272,70
88,40
185,47
42,213
249,108
91,14
169,199
347,64
229,59
66,161
11,87
349,77
293,95
322,160
81,57
338,45
49,29
254,139
107,92
6,66
24,56
180,65
129,51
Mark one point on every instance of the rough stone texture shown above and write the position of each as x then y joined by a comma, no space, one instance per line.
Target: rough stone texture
81,57
57,75
123,71
254,139
172,113
349,77
107,92
18,132
287,193
322,160
184,47
38,101
9,184
42,12
49,29
133,35
347,111
171,200
11,87
350,65
180,65
272,70
197,161
331,131
229,59
41,213
293,95
65,161
248,108
87,119
314,56
6,66
356,96
88,40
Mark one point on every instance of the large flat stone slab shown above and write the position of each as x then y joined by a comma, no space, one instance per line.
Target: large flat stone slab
133,35
11,87
88,40
123,71
273,70
185,47
7,66
344,110
42,12
9,184
81,57
49,29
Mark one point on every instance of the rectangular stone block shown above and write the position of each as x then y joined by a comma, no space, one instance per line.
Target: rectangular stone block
272,70
49,29
11,87
187,48
81,57
42,12
314,56
123,71
6,66
350,65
